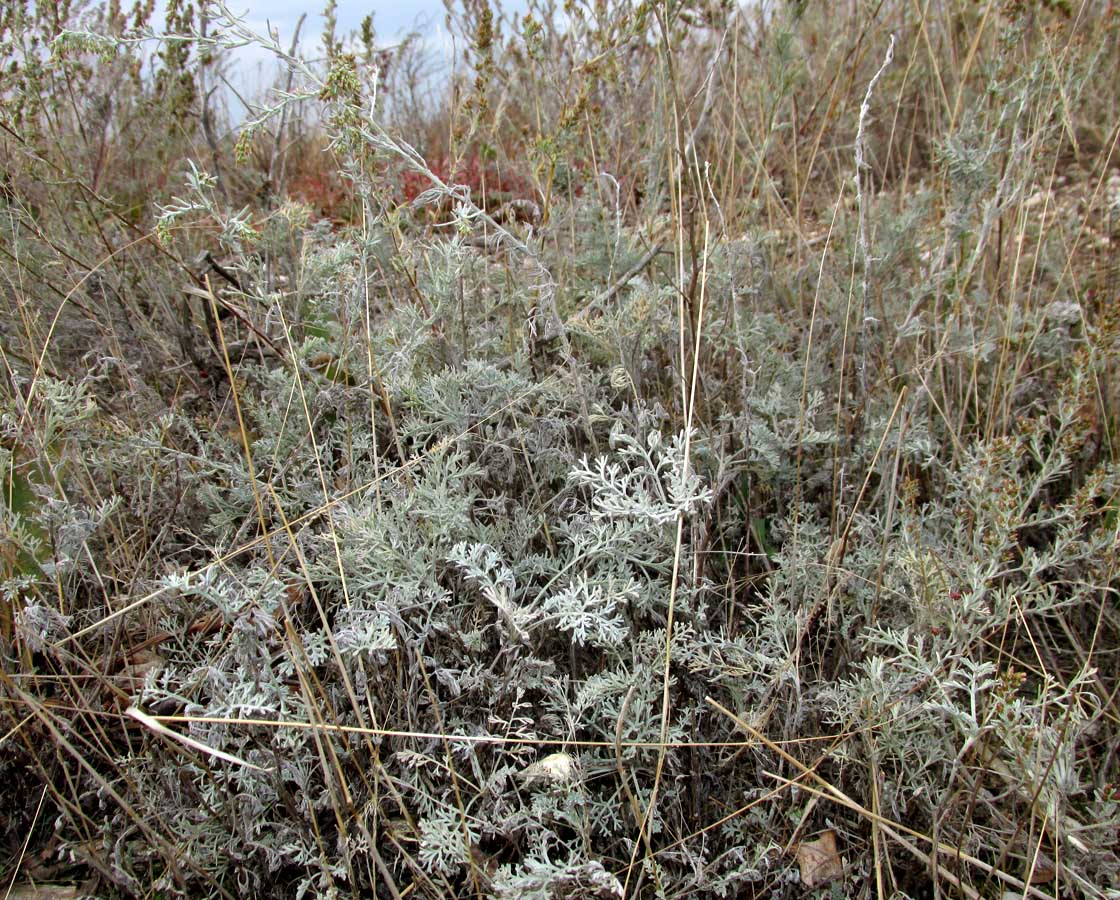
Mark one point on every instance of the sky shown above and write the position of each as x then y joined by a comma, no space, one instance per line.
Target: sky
255,67
392,21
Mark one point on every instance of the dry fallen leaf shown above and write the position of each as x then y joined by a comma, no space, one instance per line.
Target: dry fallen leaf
137,668
1043,869
44,892
819,861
